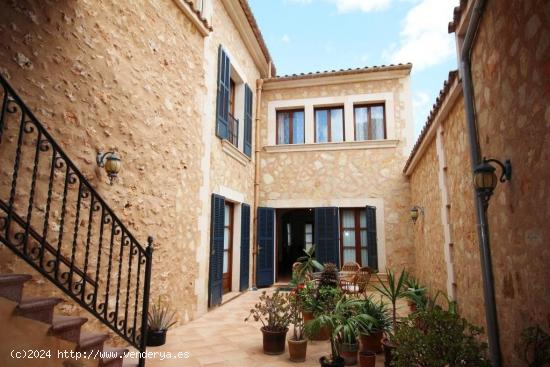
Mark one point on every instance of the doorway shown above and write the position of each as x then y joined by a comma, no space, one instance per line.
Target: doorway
295,228
227,247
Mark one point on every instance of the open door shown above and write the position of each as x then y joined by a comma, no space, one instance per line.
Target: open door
245,246
372,240
266,241
327,236
215,274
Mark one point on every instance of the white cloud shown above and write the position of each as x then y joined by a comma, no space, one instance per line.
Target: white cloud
424,39
421,107
285,38
345,6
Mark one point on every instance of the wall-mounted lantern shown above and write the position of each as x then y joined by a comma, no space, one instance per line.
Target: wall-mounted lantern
415,213
485,179
111,162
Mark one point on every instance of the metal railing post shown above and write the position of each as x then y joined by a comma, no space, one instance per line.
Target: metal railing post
146,290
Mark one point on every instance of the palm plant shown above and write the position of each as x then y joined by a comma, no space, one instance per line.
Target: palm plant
394,290
415,292
308,265
379,312
160,317
344,321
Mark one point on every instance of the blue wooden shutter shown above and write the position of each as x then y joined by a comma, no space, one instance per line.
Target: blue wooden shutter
245,246
247,120
372,241
266,242
222,104
216,251
327,249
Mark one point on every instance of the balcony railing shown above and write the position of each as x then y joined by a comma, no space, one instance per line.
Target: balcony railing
233,130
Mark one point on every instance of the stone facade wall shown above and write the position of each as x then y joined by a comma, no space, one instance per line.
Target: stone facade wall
346,174
430,267
128,77
510,76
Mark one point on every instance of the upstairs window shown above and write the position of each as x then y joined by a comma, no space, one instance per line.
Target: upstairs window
290,127
370,122
329,124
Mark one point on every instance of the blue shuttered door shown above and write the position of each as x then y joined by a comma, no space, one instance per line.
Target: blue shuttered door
216,251
326,238
266,242
222,103
245,246
247,120
372,241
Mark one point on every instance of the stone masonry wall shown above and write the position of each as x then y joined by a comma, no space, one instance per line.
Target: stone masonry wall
346,174
124,76
510,76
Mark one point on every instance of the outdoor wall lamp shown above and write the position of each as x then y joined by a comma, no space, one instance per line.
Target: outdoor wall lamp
111,162
415,213
485,179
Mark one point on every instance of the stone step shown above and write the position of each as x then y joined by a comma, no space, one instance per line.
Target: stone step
91,342
11,286
67,327
39,309
115,357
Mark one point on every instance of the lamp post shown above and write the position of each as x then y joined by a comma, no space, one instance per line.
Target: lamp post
485,179
111,162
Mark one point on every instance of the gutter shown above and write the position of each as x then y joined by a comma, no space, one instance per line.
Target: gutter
259,86
475,159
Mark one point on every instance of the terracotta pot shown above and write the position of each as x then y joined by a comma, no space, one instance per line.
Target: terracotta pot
412,306
371,342
349,353
274,341
389,347
307,315
336,362
297,350
367,359
156,338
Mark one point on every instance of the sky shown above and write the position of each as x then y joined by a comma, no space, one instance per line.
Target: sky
316,35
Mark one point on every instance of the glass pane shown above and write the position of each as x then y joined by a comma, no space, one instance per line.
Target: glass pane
227,214
288,234
363,219
348,218
364,257
225,261
361,123
349,237
363,238
309,228
283,128
309,238
298,127
226,235
321,128
377,115
337,125
349,254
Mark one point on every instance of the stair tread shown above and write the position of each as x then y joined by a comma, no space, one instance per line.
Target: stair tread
88,339
60,323
113,353
8,279
38,302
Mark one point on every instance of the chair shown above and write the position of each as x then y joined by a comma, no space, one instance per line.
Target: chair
351,266
358,283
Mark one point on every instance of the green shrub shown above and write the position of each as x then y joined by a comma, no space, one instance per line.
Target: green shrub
435,337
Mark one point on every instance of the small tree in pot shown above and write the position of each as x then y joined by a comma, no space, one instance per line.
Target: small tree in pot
371,336
274,314
297,343
415,293
308,265
159,320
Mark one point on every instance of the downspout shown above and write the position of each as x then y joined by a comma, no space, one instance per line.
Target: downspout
475,158
259,85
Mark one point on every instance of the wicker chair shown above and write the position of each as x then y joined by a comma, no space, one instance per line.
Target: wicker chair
351,267
358,284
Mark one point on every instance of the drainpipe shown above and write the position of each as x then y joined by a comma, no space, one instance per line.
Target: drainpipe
475,158
259,85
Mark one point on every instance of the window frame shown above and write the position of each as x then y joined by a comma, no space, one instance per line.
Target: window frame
329,123
369,106
291,125
357,230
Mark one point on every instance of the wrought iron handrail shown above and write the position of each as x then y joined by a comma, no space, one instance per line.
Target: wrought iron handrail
51,217
233,130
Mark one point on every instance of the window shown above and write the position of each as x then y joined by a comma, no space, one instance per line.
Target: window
370,122
232,97
227,246
353,229
329,124
290,127
308,235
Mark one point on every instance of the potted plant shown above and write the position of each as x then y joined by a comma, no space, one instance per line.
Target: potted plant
371,337
415,293
274,314
159,320
367,359
308,265
297,343
393,291
344,321
326,299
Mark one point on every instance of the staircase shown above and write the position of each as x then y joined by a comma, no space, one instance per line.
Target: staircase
53,219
